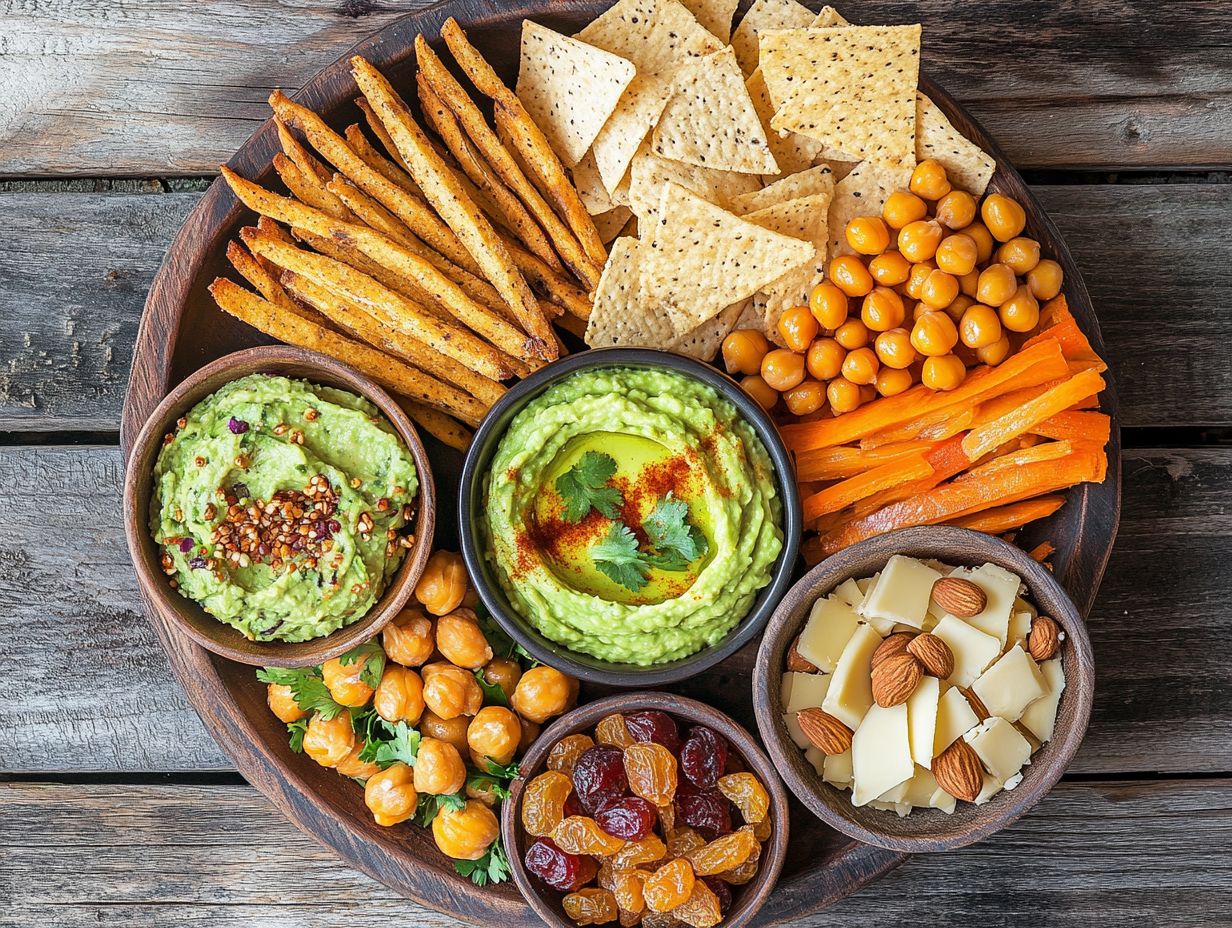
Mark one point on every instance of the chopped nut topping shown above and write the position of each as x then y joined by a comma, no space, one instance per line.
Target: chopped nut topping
242,461
281,428
199,461
181,422
311,414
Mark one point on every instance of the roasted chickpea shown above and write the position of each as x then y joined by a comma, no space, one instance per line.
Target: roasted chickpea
902,208
282,703
868,235
861,366
352,766
530,732
918,241
390,795
944,372
894,349
399,697
1004,217
934,334
782,369
451,731
344,683
844,396
997,284
409,639
542,693
956,209
929,180
890,268
798,328
848,273
493,733
439,769
994,354
1020,255
828,305
961,304
765,395
443,585
980,326
805,398
466,833
969,284
956,254
450,691
918,310
891,382
984,243
917,277
1045,279
329,741
743,350
882,310
1020,313
939,289
460,639
852,334
503,672
825,358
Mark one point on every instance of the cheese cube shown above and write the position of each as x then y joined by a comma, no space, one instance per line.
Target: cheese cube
880,753
903,592
1020,628
1021,605
943,801
992,786
817,757
1010,685
830,626
920,787
880,625
801,691
1000,747
955,718
850,692
849,592
973,649
1041,716
837,770
1001,587
922,720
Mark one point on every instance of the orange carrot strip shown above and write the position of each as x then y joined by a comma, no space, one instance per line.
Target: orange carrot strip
946,460
985,438
844,461
1042,551
1003,518
1049,451
1076,426
842,494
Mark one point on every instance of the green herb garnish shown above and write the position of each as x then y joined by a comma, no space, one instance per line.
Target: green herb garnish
619,559
430,805
677,543
402,746
373,657
295,732
584,486
307,689
492,867
492,693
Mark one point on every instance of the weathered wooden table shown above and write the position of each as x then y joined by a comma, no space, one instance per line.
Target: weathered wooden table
115,806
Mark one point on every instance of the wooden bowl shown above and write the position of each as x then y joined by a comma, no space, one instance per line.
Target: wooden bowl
471,501
187,615
925,829
747,899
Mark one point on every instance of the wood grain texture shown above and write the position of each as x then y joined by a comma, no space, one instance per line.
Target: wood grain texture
87,688
174,86
1103,853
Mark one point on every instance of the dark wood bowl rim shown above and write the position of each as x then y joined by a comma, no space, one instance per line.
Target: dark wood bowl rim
747,899
202,628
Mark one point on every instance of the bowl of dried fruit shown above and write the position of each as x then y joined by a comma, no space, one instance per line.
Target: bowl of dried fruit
647,808
923,689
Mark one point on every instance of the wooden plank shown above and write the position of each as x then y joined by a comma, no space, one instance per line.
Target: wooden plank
173,87
179,854
1162,679
76,267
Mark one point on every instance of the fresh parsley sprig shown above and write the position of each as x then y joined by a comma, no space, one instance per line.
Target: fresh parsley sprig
584,486
431,803
492,867
373,657
295,734
307,689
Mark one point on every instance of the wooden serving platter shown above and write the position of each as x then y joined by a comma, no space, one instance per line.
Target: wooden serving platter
182,330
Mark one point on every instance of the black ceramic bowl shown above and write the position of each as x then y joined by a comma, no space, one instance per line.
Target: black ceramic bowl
470,508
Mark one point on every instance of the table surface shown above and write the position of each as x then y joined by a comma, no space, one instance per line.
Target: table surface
115,806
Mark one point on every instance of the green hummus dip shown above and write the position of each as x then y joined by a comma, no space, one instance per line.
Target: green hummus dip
665,439
279,505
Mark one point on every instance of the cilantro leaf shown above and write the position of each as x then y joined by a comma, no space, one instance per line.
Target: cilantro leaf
296,732
431,804
373,657
676,542
307,689
403,746
584,485
492,693
492,867
525,656
618,558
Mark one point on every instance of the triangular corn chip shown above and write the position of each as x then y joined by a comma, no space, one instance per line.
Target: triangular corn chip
715,15
805,219
792,152
763,15
819,179
650,174
969,167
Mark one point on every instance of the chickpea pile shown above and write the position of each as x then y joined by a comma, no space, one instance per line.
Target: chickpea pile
937,284
431,659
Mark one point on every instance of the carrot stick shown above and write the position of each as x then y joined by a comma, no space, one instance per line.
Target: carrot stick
1072,425
1003,518
844,461
946,460
985,438
1042,551
1049,451
842,494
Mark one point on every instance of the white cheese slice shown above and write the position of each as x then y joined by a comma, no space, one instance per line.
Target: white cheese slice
1000,747
992,786
849,592
943,801
903,809
896,793
1010,685
838,770
801,691
850,692
1020,628
1040,717
866,586
922,720
903,592
955,718
880,753
1021,605
920,787
830,626
1001,587
973,649
817,757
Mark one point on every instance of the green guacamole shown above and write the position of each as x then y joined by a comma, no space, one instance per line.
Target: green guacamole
279,506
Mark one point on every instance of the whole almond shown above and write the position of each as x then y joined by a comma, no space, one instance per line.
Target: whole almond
934,654
896,678
1044,638
895,644
959,597
797,662
976,704
957,770
825,731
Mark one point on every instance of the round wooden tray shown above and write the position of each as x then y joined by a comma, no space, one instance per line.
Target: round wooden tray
183,330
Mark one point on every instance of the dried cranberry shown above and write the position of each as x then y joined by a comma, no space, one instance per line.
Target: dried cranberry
334,526
599,777
630,818
559,870
237,426
186,545
703,757
706,811
652,725
720,889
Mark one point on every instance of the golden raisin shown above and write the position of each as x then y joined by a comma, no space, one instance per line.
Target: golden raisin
590,906
669,887
724,853
543,803
746,793
579,834
612,730
702,909
627,888
683,841
651,771
565,752
647,850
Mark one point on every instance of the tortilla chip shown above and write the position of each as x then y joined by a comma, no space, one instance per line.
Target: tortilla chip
805,219
763,15
656,35
710,120
862,193
590,187
569,88
611,223
829,16
850,87
715,15
792,152
752,317
700,259
621,136
650,174
620,315
816,180
705,341
969,167
840,169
